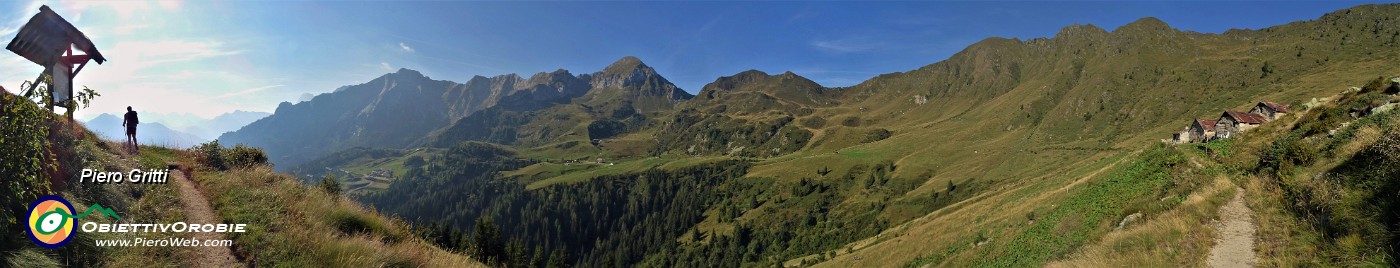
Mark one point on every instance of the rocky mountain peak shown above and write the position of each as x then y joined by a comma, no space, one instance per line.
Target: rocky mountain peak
627,72
409,73
625,64
1145,25
1078,31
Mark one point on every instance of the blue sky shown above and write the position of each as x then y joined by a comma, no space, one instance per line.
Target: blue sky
208,58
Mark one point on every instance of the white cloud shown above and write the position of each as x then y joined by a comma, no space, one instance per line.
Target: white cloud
385,66
405,47
6,31
247,91
145,53
168,75
21,17
846,45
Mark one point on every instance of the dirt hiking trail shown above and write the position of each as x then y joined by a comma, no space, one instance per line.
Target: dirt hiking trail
1234,240
197,210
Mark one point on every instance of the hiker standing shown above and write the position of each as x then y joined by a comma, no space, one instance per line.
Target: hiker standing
130,121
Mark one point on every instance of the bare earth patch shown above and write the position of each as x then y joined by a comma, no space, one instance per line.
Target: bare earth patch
1234,245
197,210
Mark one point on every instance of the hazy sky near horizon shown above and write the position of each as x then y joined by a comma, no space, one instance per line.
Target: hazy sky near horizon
209,58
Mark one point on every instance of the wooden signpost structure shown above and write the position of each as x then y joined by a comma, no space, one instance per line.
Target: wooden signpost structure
48,40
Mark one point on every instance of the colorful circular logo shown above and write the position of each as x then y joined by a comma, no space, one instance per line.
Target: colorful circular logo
51,221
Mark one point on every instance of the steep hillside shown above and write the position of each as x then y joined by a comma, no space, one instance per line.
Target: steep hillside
44,155
1009,153
370,114
1096,106
1089,90
373,114
749,114
754,91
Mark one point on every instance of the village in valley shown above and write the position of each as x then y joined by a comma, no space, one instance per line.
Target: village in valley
1231,123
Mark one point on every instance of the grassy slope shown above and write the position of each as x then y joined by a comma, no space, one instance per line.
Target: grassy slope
1027,116
1322,212
292,225
296,226
987,140
1287,238
75,148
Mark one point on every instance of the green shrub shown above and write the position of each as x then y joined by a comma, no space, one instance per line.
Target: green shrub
414,161
851,121
1378,84
815,122
23,139
211,155
351,223
330,184
216,157
603,129
1285,153
878,134
241,156
1216,148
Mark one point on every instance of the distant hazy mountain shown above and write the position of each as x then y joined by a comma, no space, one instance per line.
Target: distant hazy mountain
204,128
400,109
110,127
211,129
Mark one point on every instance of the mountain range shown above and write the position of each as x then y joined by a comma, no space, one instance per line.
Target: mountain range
109,127
406,108
940,164
204,128
1084,87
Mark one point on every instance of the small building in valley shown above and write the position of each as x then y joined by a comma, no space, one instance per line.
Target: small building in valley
1183,136
1269,110
1201,130
1232,123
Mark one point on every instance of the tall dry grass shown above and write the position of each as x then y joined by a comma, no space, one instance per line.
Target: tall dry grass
1175,238
292,225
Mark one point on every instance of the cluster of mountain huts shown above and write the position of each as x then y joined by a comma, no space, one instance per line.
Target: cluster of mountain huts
1230,123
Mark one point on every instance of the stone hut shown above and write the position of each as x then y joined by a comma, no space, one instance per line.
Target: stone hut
1269,110
1201,130
1232,123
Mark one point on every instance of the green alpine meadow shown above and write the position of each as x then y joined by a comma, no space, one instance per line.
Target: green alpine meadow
1147,144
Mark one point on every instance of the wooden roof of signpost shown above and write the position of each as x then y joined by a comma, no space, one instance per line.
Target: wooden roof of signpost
46,36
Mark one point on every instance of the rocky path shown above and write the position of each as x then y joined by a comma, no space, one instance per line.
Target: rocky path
1234,241
197,210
